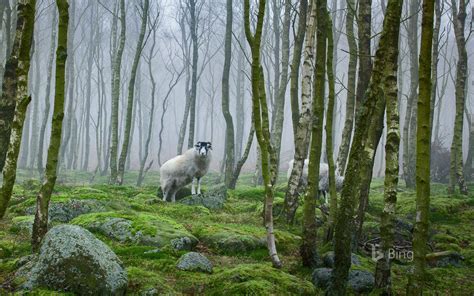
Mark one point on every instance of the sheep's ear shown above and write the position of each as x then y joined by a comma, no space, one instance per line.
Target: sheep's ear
209,145
198,144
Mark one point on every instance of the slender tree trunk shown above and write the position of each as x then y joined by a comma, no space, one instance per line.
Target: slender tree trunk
15,95
9,90
229,131
351,89
308,248
47,98
409,128
330,131
116,68
296,63
434,61
261,122
302,135
387,227
193,27
69,130
142,172
456,174
423,146
40,225
36,99
90,60
242,160
277,127
369,113
131,92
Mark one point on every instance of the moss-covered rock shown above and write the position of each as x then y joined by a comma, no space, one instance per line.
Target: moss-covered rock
239,238
213,199
22,224
68,210
194,261
257,279
72,259
144,229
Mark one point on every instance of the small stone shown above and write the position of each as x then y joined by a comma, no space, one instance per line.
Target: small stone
194,261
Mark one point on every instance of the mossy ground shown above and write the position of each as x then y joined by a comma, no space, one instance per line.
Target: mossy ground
244,271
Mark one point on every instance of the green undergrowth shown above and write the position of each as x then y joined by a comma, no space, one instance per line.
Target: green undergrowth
232,237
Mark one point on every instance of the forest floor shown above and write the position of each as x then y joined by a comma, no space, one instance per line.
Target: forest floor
231,235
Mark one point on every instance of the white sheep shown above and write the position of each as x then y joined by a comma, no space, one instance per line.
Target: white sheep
323,177
184,169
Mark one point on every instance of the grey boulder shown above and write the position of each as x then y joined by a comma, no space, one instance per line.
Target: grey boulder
72,259
360,281
194,261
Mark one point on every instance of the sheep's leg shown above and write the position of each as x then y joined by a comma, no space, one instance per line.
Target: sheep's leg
199,186
325,198
193,188
173,197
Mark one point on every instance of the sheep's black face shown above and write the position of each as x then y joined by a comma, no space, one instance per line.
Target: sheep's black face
203,148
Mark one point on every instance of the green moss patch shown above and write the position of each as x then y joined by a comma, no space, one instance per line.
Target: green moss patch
257,279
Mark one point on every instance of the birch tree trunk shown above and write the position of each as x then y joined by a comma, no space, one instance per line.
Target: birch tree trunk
329,130
351,89
373,105
71,77
9,90
308,247
387,226
131,92
302,135
90,60
261,122
296,63
15,98
277,127
47,97
40,225
193,94
456,174
409,128
116,68
229,131
423,151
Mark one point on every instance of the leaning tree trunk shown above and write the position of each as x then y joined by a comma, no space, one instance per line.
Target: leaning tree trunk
261,122
10,88
116,68
302,136
351,89
387,226
456,174
370,110
229,130
15,95
131,92
40,225
423,151
308,247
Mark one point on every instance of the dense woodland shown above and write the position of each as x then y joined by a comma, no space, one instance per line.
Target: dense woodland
334,141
